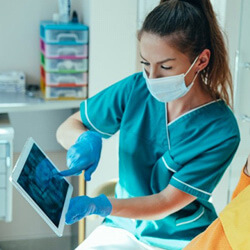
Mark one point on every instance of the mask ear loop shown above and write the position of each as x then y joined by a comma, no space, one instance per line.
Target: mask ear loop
197,73
192,65
192,83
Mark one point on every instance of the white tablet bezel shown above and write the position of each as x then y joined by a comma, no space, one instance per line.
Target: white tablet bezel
15,175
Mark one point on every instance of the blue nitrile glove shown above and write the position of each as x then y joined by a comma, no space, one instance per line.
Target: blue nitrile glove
82,206
84,155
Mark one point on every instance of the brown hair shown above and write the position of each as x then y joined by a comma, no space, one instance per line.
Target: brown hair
191,26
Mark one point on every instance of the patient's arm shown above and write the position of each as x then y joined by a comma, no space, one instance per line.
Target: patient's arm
214,236
244,179
247,166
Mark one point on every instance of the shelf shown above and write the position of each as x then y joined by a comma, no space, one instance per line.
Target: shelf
21,102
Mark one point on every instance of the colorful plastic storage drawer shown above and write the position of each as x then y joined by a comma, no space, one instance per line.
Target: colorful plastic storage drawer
64,79
65,92
64,65
64,51
60,33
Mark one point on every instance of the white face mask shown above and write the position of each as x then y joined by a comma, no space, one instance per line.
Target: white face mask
167,89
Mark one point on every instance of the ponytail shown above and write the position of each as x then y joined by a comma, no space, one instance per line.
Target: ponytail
192,26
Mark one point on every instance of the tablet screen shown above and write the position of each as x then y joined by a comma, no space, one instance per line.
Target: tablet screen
40,180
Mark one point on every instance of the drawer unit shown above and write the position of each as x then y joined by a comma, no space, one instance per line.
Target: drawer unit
64,51
66,79
6,160
66,36
68,33
66,92
64,65
64,60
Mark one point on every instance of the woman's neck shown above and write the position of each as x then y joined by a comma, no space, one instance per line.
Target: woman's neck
196,97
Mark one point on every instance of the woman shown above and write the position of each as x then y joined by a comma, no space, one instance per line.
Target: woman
177,133
231,229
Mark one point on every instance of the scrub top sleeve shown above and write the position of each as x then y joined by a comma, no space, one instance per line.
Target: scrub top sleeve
104,111
200,175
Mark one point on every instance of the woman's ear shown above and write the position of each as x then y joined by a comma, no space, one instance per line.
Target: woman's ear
203,60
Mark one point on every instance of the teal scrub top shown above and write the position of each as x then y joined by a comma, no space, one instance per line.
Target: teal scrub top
191,153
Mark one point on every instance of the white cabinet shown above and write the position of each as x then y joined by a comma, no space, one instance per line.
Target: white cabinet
6,159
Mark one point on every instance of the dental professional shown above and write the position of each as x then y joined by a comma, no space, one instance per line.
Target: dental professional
177,134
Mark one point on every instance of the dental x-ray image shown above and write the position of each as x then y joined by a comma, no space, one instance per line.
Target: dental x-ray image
46,187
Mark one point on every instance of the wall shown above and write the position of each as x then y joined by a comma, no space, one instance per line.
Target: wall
112,41
220,10
144,7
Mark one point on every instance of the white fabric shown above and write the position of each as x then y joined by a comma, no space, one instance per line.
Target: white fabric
110,238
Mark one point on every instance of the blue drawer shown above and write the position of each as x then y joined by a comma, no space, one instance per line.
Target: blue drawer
61,33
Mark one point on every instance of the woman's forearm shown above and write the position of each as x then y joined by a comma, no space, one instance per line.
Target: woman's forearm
152,207
70,130
141,208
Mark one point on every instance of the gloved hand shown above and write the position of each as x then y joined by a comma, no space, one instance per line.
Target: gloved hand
84,155
82,206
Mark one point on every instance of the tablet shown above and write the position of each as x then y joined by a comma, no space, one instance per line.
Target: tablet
37,179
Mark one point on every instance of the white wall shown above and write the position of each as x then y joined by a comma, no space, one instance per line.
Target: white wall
219,8
112,41
144,7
